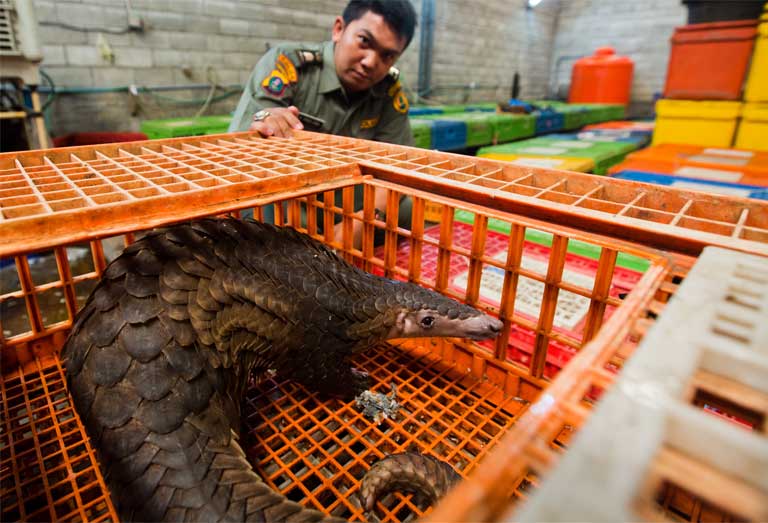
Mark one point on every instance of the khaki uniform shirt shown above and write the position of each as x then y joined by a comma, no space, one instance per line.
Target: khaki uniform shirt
305,76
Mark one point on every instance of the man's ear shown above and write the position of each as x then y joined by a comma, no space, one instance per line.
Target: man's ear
338,28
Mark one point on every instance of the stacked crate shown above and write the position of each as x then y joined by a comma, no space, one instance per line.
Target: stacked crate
703,93
753,128
601,155
704,163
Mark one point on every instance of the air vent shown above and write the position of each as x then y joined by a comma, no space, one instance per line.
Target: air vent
9,45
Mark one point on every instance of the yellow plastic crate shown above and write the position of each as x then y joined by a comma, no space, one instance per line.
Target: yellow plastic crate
753,129
757,81
582,165
432,211
711,124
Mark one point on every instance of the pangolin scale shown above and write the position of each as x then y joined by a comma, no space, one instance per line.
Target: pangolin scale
159,357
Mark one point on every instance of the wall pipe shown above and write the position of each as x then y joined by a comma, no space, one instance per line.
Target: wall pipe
426,43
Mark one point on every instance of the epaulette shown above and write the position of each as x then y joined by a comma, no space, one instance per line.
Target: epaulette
307,57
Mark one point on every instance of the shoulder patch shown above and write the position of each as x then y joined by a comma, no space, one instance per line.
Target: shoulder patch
399,100
281,76
394,88
286,67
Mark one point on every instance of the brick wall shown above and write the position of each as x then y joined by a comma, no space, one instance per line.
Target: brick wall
640,30
190,42
486,42
186,42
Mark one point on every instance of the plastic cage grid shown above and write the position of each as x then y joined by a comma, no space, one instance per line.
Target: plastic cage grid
699,452
172,180
52,189
48,469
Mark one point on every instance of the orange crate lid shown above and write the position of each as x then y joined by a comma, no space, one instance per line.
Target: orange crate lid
624,125
709,61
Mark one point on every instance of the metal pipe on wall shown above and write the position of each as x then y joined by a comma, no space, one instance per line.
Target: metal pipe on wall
426,42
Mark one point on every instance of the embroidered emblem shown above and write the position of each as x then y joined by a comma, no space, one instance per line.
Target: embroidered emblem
274,84
370,123
283,74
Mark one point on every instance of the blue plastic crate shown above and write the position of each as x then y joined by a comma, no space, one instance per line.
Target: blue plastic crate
481,108
448,135
422,111
548,120
697,184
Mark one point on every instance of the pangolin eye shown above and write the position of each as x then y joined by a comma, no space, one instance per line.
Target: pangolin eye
427,322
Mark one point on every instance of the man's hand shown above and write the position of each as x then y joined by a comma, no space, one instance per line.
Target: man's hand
281,122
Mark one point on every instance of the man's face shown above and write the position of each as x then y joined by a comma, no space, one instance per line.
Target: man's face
365,50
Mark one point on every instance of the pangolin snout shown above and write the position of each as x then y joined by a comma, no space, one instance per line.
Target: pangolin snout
485,327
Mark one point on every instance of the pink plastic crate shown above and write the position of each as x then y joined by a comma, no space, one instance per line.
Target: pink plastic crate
570,316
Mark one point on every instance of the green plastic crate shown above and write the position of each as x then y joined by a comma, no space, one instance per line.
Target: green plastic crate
177,127
510,127
422,133
488,107
604,154
596,113
614,112
217,124
484,128
479,128
456,108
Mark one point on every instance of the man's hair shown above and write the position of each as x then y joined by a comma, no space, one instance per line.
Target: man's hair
399,15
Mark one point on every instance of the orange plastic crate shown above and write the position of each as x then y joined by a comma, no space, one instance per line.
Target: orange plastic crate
622,125
462,402
727,165
48,469
709,61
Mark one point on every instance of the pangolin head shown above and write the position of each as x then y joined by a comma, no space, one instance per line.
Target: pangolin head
430,314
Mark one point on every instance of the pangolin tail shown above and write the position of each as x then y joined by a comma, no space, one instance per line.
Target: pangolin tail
411,472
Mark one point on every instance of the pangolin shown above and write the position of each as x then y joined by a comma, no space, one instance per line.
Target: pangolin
159,357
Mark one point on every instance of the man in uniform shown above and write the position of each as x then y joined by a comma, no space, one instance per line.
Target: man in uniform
347,86
349,83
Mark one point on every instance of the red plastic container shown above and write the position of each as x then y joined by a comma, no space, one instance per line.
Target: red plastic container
601,78
709,61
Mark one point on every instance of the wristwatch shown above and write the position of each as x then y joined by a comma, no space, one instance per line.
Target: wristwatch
261,115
